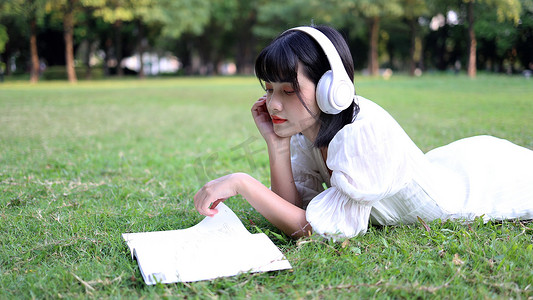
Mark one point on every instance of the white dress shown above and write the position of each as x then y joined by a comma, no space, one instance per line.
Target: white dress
380,175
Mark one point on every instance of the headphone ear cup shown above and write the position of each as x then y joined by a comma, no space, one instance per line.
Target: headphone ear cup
322,93
332,96
342,93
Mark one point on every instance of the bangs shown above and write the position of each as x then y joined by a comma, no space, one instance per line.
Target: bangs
277,63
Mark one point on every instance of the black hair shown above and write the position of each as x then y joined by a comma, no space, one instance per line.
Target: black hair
278,62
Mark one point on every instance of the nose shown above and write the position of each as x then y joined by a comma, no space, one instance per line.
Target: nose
274,103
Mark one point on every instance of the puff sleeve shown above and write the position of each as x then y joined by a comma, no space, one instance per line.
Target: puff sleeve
369,162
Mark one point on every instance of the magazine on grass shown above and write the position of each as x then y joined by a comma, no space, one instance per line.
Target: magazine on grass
218,246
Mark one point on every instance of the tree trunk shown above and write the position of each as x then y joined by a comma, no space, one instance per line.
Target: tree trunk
442,61
140,47
472,40
91,45
87,61
68,27
5,59
34,72
118,47
187,56
373,64
204,48
107,50
246,44
412,50
243,60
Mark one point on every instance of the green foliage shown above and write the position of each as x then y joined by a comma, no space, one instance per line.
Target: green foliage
503,34
180,16
413,9
23,8
218,31
112,11
81,164
3,38
276,16
375,8
507,9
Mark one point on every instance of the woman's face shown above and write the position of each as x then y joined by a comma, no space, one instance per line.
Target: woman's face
289,116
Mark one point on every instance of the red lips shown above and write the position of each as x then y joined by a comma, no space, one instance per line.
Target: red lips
278,120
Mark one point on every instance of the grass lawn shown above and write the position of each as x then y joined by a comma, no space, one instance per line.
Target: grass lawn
82,164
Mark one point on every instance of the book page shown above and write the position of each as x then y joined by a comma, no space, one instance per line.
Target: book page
218,246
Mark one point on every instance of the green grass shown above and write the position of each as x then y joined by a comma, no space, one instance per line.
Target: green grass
81,164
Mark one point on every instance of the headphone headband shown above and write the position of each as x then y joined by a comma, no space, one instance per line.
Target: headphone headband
331,52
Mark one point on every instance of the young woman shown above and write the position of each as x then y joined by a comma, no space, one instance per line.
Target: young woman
319,133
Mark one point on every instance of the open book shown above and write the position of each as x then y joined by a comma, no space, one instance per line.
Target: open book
218,246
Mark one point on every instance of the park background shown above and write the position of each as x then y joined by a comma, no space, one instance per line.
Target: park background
102,38
82,163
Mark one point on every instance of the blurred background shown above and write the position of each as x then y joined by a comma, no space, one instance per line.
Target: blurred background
96,39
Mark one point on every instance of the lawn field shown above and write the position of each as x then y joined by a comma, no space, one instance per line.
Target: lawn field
81,164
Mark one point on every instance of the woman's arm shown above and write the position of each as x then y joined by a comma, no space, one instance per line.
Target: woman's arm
286,216
281,178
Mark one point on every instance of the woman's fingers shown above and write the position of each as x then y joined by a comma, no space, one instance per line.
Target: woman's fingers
259,105
202,202
214,192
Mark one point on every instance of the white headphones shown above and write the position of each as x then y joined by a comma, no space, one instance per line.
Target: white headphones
334,91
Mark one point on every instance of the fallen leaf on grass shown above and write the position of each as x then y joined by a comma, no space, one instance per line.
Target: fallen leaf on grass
457,261
345,243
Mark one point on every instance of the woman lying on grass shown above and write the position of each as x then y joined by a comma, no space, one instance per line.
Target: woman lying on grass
318,132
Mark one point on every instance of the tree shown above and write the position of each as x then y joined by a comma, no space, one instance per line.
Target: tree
351,17
31,11
3,38
274,17
372,11
88,34
218,40
524,44
68,27
66,10
117,12
167,18
190,24
413,9
505,9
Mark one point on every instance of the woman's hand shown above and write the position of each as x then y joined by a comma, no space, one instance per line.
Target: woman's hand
264,122
214,192
284,215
